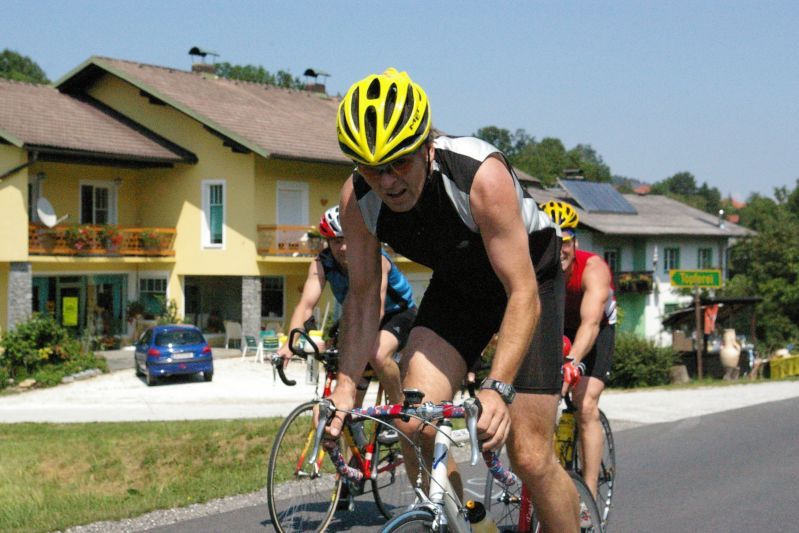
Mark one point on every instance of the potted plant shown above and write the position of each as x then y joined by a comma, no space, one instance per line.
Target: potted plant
79,238
313,239
150,240
110,237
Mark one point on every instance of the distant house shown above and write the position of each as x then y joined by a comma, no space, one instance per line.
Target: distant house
642,237
178,185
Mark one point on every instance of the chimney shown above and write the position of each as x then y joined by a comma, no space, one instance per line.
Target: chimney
315,87
203,68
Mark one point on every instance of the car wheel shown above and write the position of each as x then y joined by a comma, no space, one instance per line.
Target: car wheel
208,376
150,379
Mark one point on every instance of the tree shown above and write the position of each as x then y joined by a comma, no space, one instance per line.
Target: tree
767,265
682,187
258,74
15,66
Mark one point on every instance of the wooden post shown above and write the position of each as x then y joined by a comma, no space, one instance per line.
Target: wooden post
700,333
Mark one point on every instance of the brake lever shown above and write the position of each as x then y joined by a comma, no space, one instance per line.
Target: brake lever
326,412
277,363
472,408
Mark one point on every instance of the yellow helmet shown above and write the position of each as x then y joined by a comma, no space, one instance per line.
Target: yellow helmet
564,215
382,117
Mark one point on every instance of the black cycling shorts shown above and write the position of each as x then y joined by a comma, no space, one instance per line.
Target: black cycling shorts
599,360
468,325
399,324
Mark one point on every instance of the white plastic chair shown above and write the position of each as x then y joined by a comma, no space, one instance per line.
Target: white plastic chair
232,332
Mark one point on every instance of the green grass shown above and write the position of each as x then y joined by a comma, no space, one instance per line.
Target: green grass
53,476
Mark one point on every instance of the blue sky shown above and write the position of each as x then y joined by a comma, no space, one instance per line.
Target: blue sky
655,87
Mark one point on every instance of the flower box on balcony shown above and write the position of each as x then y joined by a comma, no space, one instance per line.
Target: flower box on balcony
635,282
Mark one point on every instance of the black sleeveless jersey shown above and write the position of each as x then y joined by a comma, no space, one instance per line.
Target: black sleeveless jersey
440,232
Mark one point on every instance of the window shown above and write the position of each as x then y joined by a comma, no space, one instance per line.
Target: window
612,256
272,297
292,203
97,204
152,295
704,258
213,213
671,259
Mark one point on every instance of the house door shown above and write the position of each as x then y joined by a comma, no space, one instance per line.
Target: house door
71,303
292,203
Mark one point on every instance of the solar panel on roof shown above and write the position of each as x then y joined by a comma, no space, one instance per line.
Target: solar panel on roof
598,197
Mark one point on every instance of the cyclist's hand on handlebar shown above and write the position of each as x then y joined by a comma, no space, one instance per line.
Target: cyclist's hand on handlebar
494,422
343,402
571,374
285,353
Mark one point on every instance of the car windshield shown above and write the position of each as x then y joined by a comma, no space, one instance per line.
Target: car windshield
186,336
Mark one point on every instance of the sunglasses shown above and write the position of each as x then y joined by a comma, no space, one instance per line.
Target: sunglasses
397,167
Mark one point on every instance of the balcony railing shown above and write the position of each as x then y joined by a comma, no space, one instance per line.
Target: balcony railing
88,240
640,282
287,241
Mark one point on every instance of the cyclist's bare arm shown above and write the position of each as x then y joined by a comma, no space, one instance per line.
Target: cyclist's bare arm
311,293
362,308
596,291
495,209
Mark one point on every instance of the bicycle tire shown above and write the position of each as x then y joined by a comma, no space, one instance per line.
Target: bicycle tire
392,490
607,471
298,500
410,522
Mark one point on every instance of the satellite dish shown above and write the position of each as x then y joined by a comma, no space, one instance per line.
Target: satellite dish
47,214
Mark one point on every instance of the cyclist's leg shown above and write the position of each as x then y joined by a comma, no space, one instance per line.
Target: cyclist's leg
586,398
432,365
385,367
533,459
394,331
538,385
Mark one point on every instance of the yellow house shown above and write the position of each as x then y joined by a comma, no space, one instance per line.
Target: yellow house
175,184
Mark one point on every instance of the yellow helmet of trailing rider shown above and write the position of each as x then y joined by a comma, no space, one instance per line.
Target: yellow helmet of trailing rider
564,215
382,117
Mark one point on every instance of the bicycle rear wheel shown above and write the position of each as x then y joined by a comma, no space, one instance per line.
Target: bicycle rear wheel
607,470
419,520
301,497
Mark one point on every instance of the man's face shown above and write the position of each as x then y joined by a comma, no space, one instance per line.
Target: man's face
567,254
400,183
339,250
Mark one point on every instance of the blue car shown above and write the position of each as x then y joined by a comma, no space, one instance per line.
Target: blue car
171,350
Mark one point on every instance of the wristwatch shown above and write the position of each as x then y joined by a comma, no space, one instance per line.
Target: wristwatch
505,390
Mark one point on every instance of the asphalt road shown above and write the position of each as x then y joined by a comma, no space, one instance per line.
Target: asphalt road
730,471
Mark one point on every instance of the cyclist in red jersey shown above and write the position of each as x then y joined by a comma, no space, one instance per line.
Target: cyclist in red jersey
590,325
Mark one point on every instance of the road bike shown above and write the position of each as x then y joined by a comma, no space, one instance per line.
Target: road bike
512,507
439,509
303,489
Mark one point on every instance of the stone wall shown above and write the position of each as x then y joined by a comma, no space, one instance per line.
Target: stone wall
20,293
250,305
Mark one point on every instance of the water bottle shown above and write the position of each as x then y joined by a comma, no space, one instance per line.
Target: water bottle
480,521
358,434
565,435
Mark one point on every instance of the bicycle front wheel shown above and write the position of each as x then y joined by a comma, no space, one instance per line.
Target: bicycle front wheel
419,520
301,497
502,503
607,470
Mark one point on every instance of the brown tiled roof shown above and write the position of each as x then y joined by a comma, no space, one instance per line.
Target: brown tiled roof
272,121
38,116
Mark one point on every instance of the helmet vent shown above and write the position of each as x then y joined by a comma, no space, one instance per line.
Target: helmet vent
354,109
374,89
371,125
